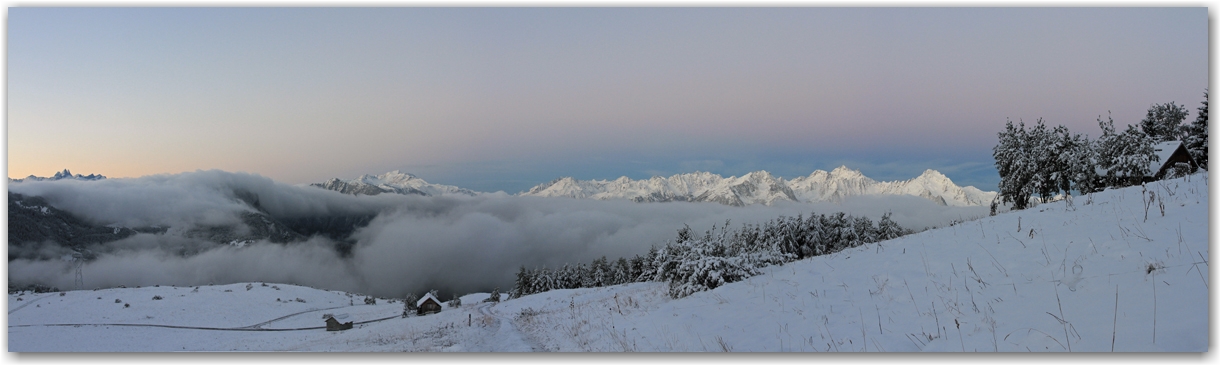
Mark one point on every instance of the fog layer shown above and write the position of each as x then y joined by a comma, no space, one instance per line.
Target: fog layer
413,243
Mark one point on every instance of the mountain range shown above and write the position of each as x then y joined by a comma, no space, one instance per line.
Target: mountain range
759,187
65,174
391,182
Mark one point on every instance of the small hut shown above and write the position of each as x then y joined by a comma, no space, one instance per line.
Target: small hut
1173,161
333,324
427,305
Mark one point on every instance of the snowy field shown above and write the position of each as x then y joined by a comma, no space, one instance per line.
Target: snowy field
1115,271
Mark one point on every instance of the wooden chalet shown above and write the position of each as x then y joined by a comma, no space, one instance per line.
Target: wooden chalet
333,324
1174,161
427,305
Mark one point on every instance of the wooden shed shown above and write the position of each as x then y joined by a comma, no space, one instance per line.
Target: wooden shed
428,304
1174,160
333,324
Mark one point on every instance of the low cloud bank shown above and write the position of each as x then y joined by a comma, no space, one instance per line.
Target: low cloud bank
414,243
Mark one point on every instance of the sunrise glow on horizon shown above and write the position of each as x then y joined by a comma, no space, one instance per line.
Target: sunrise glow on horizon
507,98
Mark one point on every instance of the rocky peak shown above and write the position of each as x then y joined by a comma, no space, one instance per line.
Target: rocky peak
843,172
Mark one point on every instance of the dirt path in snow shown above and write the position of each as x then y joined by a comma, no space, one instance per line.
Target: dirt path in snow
253,327
504,336
27,303
260,325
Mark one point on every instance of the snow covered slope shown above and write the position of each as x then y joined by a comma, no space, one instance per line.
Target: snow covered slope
760,187
391,182
1091,274
1117,270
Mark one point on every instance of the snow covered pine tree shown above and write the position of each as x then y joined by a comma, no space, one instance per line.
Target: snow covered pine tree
1196,138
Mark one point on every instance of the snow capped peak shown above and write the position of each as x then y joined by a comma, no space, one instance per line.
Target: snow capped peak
757,187
61,175
933,174
760,187
761,175
392,177
391,182
932,178
844,170
396,176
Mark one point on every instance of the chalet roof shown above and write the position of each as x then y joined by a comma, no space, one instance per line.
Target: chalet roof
334,316
426,296
1163,150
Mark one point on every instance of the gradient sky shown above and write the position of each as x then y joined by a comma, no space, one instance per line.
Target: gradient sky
504,99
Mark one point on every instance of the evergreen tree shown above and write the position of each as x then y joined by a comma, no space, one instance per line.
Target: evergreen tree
1126,156
1164,122
572,276
707,263
588,277
684,234
600,273
1016,167
1196,139
887,229
694,263
865,231
563,277
1079,159
815,235
621,273
523,285
847,236
544,280
637,269
1061,143
648,267
410,301
1041,142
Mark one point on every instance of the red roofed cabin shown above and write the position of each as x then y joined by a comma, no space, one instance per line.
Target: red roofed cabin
427,305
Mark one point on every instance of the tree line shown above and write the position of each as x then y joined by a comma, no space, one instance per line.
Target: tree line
1043,162
691,263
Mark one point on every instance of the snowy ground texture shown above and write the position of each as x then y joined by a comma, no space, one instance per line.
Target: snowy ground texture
1090,275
